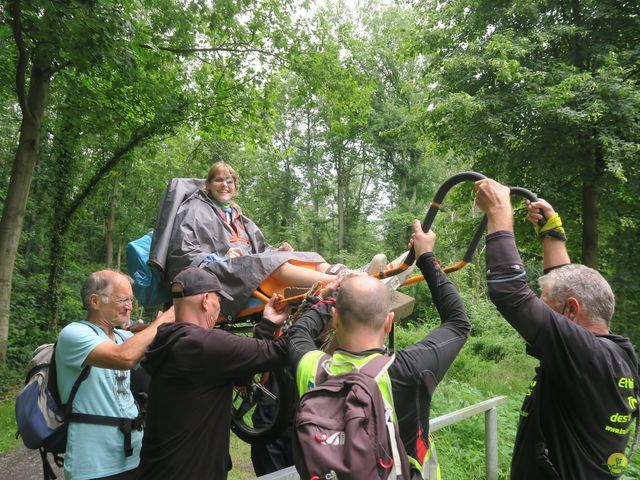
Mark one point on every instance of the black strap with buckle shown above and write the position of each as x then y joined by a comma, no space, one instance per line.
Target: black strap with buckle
125,425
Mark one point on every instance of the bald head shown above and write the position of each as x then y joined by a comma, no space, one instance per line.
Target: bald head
363,302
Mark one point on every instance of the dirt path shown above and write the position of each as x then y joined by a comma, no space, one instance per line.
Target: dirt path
24,464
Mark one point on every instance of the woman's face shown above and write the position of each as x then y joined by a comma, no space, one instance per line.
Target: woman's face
222,187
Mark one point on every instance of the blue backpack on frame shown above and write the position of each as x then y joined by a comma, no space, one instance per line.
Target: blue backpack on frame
148,286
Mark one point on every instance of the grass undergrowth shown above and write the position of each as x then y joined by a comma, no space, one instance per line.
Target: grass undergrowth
8,440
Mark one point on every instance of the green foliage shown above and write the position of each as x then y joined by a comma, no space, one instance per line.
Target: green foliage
8,428
342,123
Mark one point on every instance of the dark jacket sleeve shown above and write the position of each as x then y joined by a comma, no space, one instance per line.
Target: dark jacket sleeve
307,328
437,350
236,357
265,329
419,368
508,288
552,338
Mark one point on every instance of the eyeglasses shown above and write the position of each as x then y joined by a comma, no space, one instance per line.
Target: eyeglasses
120,300
228,180
123,300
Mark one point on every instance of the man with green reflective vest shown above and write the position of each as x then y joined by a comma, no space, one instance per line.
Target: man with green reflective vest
360,314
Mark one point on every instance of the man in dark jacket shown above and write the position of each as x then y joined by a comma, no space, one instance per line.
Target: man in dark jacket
579,409
362,319
193,368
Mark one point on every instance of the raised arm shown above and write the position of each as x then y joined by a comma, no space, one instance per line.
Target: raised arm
506,277
552,234
419,368
303,333
127,354
437,350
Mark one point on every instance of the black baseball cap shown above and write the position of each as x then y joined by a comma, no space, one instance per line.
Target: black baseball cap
195,281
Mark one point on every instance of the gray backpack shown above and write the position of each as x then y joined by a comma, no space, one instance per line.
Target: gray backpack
343,429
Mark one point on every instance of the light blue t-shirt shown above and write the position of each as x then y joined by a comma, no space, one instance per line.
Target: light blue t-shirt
95,451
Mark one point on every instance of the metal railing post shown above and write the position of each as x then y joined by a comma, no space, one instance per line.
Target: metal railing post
491,443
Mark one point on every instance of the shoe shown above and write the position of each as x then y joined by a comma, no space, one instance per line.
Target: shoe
376,265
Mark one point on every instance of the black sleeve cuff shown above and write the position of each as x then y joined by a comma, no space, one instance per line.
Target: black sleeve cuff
265,328
503,259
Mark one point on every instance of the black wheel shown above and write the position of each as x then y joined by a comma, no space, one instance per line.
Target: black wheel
260,409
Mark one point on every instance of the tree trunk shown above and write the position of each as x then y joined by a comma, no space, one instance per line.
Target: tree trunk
402,188
413,157
111,221
590,224
60,187
590,185
314,175
65,210
119,257
18,192
341,188
35,239
57,257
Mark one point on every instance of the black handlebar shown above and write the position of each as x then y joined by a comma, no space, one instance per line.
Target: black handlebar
435,208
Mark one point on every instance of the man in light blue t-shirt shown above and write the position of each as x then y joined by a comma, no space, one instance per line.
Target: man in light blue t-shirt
100,451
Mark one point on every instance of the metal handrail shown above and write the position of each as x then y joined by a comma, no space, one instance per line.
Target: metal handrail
488,407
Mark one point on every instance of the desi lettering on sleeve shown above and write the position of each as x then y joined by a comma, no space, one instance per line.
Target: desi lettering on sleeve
532,385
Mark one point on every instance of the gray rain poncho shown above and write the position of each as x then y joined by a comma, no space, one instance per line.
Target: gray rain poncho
191,227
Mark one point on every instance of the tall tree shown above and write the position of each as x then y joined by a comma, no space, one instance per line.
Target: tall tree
108,47
49,37
540,93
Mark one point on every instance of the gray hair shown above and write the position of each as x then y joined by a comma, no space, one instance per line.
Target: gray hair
100,283
586,285
364,301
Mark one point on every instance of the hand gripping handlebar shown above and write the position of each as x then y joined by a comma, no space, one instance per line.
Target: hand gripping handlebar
435,208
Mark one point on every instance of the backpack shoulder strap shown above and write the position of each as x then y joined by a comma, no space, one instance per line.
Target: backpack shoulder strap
119,333
91,325
377,366
374,368
81,378
76,385
321,369
52,382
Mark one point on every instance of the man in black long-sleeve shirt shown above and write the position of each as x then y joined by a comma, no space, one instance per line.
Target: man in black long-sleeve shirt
579,409
193,368
362,320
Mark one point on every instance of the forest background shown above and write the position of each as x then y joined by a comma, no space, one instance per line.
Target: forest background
342,118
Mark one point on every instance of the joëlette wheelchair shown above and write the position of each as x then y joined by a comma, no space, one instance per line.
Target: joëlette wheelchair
262,405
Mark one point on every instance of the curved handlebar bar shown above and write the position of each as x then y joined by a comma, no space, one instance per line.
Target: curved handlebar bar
435,208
